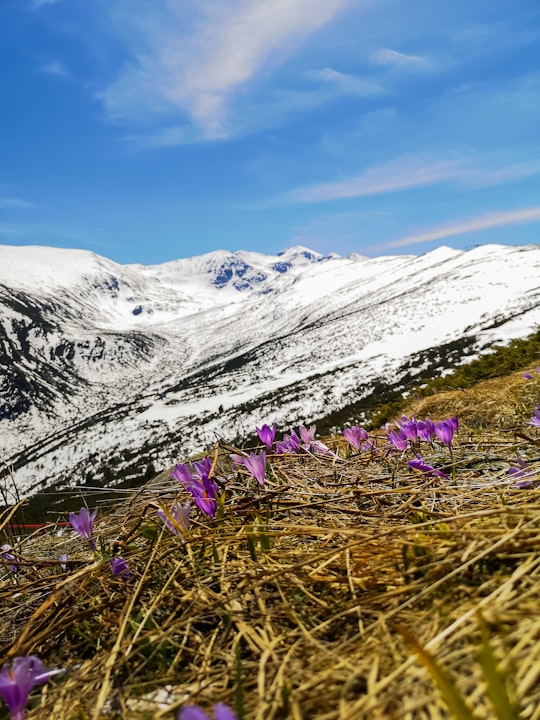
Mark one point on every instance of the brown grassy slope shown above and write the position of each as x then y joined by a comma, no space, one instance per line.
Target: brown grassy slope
294,602
499,404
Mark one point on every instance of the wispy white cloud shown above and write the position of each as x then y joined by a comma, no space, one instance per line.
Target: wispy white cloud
483,222
15,203
346,84
55,67
39,3
485,177
269,109
164,137
401,174
413,171
57,234
195,68
10,230
386,56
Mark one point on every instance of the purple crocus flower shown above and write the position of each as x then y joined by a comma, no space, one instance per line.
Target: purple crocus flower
454,423
355,435
426,429
370,445
267,435
445,432
256,464
194,712
535,420
8,557
421,465
176,518
120,568
397,440
319,448
308,436
17,682
205,496
63,560
83,523
409,430
196,481
202,467
523,472
527,376
310,444
289,444
182,474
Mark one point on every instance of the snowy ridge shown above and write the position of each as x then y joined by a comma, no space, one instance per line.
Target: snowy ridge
108,365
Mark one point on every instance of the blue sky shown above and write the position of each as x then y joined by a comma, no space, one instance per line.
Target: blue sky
147,131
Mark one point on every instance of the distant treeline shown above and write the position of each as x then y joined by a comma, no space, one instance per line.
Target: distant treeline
499,360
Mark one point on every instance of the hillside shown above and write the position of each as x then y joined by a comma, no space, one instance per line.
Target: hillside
349,585
110,371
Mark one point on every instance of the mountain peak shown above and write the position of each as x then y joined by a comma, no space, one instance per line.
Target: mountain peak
297,252
173,353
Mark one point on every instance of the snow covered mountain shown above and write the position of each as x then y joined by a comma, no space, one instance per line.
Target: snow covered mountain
108,368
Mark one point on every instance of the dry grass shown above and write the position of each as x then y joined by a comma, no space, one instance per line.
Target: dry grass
295,601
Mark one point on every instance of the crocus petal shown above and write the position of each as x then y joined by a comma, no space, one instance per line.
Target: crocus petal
223,712
17,681
204,496
319,448
289,444
524,484
267,435
355,435
178,518
181,473
445,432
83,523
256,464
307,435
203,490
426,429
454,423
409,430
192,712
120,568
8,557
422,466
294,441
237,459
202,468
397,440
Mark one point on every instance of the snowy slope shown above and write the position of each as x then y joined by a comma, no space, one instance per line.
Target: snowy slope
110,366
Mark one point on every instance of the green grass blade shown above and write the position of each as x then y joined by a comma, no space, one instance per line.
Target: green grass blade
495,683
451,695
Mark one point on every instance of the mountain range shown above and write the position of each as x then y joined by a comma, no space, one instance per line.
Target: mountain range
109,371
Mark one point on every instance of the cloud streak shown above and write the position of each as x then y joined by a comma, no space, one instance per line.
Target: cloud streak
196,73
55,67
15,203
386,56
409,172
269,109
401,174
39,3
483,222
